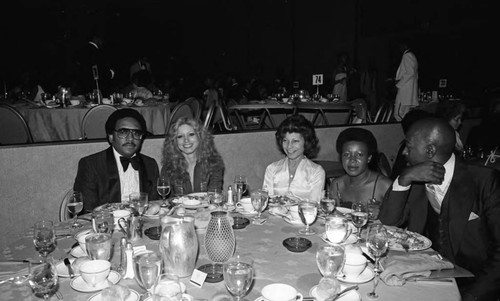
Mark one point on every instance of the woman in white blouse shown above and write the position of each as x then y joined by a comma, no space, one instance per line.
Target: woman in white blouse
295,176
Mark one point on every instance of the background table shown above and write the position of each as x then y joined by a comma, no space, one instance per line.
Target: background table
272,263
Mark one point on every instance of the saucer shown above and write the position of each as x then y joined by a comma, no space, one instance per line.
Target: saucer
366,276
62,270
185,297
350,240
292,221
78,284
77,252
349,296
134,296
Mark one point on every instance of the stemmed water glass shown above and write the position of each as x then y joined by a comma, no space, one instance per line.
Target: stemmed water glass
44,280
259,202
377,242
238,276
74,207
330,259
240,185
147,270
308,210
167,287
44,238
139,201
163,187
359,217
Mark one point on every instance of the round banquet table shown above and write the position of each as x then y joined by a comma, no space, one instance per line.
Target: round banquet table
272,263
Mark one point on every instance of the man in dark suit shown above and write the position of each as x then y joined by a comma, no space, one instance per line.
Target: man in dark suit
455,205
109,176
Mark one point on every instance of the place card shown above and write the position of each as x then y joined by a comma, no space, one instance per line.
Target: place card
139,249
198,278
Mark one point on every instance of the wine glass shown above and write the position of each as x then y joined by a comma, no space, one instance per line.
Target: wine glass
44,237
139,201
147,270
74,207
44,280
330,259
327,204
238,276
167,288
359,217
163,187
307,212
259,202
240,185
377,242
215,197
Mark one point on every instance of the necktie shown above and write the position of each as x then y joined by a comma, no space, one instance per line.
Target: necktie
430,191
126,161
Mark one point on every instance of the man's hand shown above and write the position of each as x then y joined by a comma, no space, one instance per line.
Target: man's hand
427,172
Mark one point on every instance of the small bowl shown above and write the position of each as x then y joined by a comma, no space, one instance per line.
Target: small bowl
153,233
297,244
240,222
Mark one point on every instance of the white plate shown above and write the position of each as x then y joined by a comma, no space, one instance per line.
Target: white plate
350,240
134,296
162,211
343,210
198,194
366,276
394,245
62,270
242,211
78,284
292,221
185,297
77,252
349,296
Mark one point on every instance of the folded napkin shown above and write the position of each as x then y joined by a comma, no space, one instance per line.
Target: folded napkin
398,268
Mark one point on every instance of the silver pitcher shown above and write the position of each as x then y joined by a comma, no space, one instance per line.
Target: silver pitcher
179,245
132,226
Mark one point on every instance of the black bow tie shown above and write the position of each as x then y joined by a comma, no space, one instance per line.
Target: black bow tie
126,161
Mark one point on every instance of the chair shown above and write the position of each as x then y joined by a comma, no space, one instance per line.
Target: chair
196,107
94,120
384,114
14,128
182,109
383,165
63,212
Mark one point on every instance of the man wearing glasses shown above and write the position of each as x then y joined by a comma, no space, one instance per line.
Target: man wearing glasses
111,175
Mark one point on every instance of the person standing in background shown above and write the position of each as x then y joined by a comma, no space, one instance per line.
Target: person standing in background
340,76
406,82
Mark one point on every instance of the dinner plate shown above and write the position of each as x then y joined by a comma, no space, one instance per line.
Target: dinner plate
352,295
134,296
366,276
62,270
153,216
344,210
350,240
244,212
418,242
109,206
292,221
77,252
78,284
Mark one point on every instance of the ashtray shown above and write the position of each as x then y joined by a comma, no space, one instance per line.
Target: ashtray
153,233
297,244
240,222
214,272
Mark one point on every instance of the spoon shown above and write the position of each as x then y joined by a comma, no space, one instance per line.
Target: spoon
336,296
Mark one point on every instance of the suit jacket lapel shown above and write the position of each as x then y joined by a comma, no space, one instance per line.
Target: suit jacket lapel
114,187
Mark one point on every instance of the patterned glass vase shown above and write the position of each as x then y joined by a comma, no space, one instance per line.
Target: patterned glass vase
219,239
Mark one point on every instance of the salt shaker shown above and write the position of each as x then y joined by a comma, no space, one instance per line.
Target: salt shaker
129,265
230,200
123,247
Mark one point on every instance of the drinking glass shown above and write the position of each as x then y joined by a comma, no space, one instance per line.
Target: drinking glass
103,221
238,276
167,288
240,185
327,204
99,246
259,202
307,212
179,188
359,217
330,259
44,238
74,207
147,270
377,242
139,201
163,187
43,280
215,197
336,229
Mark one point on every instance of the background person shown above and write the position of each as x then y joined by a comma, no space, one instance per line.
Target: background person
295,175
106,177
453,113
406,82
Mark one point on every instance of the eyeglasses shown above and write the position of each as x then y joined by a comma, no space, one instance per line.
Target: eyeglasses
123,133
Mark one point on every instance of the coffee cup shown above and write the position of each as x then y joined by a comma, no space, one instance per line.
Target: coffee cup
354,265
95,272
294,212
245,204
280,292
117,214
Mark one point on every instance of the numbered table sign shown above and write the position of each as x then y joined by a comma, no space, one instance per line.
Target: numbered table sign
317,79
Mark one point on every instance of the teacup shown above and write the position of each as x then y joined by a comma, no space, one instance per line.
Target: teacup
337,229
80,237
280,292
354,265
95,272
245,204
294,212
117,214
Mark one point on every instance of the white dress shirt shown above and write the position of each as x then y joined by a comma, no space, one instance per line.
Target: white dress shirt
129,180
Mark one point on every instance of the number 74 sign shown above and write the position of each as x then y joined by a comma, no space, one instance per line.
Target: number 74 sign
317,79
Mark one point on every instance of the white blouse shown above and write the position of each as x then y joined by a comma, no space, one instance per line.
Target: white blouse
307,183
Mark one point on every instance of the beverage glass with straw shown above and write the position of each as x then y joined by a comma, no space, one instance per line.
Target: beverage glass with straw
240,186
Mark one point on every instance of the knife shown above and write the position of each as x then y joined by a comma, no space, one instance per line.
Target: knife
68,265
